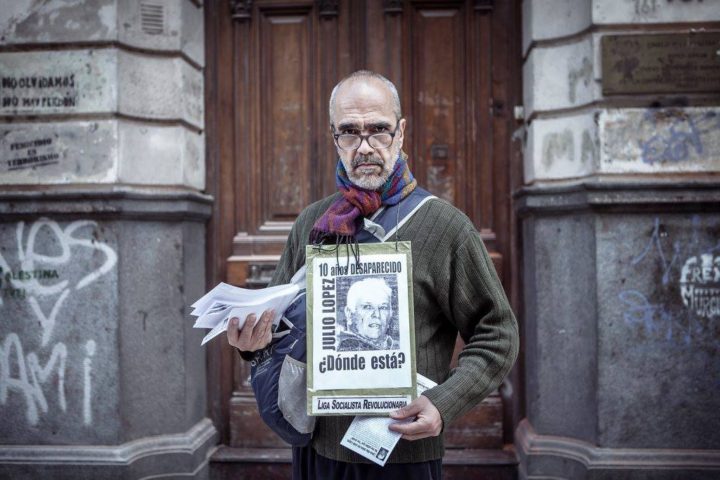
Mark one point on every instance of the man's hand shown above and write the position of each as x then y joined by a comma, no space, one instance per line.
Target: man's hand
254,335
427,424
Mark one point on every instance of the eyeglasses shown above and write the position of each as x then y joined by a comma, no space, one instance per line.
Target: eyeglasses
351,141
370,308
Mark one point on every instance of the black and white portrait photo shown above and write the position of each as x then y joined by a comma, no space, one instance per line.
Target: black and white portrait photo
368,304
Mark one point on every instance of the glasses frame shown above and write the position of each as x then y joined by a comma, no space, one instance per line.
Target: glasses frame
366,138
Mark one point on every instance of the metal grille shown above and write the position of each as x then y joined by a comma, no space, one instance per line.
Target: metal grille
152,18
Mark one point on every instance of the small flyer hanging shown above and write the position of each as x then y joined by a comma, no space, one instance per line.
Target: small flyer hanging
360,329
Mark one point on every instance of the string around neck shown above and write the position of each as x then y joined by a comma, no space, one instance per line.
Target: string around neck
352,248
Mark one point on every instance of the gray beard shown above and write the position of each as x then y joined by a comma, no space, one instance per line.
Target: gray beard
372,182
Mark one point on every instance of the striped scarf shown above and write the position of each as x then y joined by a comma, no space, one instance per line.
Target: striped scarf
341,218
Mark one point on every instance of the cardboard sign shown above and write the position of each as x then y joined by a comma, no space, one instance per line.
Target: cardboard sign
361,332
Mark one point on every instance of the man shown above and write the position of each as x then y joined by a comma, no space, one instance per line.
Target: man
455,288
368,313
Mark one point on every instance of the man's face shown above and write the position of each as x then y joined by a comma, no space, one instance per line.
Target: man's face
365,107
371,313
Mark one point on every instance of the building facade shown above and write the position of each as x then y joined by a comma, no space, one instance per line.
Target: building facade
152,148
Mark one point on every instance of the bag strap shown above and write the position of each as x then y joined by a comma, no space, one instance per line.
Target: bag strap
388,220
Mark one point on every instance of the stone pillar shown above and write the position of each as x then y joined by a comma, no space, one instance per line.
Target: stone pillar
102,240
621,240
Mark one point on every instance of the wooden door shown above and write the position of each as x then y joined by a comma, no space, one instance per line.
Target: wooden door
270,69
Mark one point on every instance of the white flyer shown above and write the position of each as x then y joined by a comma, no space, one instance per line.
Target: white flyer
371,437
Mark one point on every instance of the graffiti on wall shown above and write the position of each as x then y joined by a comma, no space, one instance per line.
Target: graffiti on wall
580,75
34,281
559,147
38,91
700,284
692,313
679,136
674,139
33,153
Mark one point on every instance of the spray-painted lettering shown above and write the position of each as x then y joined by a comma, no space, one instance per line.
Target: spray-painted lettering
39,280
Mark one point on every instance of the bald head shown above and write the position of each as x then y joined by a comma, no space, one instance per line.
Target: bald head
364,105
370,85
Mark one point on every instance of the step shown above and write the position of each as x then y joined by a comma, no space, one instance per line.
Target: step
229,463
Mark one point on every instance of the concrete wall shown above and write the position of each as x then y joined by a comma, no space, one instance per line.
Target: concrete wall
573,130
621,236
102,239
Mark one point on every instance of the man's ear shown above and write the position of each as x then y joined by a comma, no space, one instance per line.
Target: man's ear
400,135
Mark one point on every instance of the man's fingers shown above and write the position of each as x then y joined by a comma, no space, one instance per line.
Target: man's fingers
421,428
415,430
258,334
267,318
417,427
427,424
247,330
409,410
268,315
255,334
267,336
232,332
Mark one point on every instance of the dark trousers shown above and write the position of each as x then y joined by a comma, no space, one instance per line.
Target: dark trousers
308,465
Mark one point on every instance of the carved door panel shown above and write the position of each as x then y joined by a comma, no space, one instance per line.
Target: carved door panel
274,154
286,58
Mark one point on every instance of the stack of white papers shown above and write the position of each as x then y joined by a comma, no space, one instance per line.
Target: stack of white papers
215,309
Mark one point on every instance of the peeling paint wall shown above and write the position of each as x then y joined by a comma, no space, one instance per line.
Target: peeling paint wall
28,21
160,25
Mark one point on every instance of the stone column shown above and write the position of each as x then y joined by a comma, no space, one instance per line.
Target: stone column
102,240
621,232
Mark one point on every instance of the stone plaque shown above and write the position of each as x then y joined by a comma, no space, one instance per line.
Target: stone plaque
667,63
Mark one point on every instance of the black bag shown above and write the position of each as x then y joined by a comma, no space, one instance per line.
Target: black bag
278,378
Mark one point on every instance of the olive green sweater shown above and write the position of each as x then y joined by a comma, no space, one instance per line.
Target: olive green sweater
455,289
